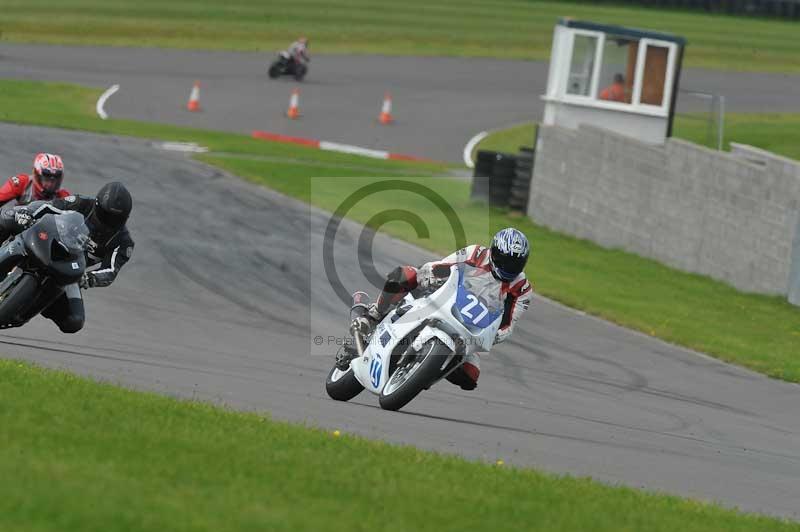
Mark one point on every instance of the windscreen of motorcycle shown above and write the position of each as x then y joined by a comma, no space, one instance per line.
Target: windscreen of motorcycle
479,301
72,231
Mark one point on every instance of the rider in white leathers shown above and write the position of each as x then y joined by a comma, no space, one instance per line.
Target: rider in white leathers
297,51
505,260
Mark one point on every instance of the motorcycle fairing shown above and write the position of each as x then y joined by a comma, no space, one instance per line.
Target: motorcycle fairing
440,315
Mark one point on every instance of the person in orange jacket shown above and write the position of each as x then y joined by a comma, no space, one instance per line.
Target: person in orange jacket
45,184
616,91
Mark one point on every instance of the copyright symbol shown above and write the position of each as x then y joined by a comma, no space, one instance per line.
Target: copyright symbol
378,220
318,340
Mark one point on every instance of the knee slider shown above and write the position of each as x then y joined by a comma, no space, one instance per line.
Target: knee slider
396,276
401,279
71,324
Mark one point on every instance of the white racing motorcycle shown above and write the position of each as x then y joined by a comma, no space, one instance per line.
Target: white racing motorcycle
421,341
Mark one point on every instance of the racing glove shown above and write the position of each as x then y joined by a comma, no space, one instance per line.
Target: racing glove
425,278
502,335
87,281
23,217
431,275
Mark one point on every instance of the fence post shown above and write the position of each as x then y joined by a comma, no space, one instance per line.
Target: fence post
721,123
794,268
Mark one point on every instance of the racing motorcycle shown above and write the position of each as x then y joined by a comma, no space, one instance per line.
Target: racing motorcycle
421,341
288,67
47,258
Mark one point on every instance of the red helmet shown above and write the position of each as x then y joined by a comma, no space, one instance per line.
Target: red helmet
48,172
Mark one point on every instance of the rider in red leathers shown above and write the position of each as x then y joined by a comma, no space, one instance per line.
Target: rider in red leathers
45,184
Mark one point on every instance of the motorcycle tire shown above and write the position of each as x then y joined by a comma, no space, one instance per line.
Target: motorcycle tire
15,298
300,72
428,372
274,70
342,386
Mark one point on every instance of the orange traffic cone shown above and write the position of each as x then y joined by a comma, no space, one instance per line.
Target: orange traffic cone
194,98
386,110
294,105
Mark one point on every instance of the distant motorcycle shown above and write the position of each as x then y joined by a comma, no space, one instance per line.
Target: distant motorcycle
50,257
288,67
420,342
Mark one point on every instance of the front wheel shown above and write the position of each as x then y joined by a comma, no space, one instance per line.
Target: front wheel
408,381
342,385
274,70
15,298
300,71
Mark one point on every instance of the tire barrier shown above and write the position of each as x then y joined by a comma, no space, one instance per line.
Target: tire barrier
503,179
521,184
484,162
503,171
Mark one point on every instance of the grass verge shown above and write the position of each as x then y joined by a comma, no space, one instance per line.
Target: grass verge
507,139
69,106
489,28
759,332
104,458
779,133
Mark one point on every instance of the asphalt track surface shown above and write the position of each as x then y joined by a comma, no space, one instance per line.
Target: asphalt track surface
439,103
215,305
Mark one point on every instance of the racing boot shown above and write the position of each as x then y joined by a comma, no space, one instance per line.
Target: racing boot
466,376
364,319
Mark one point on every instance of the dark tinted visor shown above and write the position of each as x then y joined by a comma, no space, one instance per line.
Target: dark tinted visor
507,267
110,219
50,180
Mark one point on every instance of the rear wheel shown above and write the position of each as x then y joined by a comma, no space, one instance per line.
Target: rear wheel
342,385
417,375
15,298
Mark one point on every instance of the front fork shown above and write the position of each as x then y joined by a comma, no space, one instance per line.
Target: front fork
358,310
11,255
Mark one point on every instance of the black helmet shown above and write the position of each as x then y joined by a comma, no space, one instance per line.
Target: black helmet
510,250
112,206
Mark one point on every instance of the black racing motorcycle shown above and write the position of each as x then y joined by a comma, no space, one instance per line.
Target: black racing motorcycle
288,67
43,261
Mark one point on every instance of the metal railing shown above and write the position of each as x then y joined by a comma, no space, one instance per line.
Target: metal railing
704,107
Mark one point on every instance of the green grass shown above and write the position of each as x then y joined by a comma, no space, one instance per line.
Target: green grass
756,331
507,139
83,456
488,28
779,133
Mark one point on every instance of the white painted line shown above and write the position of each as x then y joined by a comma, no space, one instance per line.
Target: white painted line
101,101
355,150
189,147
471,146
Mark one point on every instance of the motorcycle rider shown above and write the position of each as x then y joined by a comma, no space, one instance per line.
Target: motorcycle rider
110,245
297,51
505,260
48,173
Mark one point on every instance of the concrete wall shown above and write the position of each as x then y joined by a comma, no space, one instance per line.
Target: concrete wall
693,208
